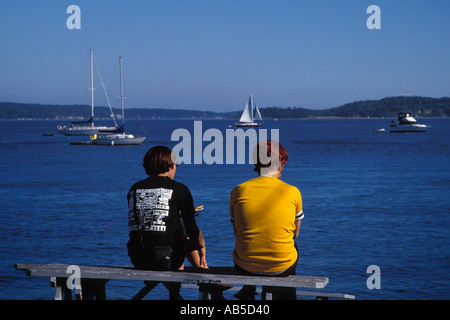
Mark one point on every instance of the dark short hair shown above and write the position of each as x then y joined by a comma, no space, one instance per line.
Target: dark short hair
158,160
266,146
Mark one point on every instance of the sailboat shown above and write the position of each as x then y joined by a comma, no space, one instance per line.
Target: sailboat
118,137
251,117
87,127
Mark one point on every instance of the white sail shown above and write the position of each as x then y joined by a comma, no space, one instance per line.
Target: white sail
257,114
247,114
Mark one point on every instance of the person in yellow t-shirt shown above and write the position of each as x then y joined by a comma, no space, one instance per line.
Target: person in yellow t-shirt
266,214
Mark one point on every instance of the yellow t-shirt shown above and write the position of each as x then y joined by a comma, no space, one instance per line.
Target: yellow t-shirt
263,212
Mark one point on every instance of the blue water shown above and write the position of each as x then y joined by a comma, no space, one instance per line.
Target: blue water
369,199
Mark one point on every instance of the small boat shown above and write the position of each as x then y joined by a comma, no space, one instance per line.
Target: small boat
84,128
251,117
118,140
87,127
406,123
118,137
379,130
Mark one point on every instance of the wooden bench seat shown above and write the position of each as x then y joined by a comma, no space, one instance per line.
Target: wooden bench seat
94,278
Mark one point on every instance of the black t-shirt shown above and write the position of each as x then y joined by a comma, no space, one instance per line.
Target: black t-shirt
155,206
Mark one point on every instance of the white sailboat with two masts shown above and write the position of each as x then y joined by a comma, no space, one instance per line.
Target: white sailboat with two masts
251,117
87,127
118,137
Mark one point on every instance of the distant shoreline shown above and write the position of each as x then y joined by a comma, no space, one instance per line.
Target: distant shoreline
206,118
419,107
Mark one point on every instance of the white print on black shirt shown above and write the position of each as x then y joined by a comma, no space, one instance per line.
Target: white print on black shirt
152,206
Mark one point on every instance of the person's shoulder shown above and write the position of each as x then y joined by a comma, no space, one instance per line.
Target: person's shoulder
139,184
239,187
252,181
245,183
179,185
290,187
236,189
257,181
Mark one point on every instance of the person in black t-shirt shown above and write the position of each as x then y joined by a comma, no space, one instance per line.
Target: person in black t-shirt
158,238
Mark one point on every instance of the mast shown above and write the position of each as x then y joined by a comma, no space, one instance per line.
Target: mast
251,107
92,85
121,90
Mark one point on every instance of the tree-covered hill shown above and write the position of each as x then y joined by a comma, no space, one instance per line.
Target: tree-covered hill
387,107
11,110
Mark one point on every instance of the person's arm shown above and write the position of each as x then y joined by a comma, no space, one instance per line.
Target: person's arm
297,228
231,204
192,230
202,250
196,237
299,215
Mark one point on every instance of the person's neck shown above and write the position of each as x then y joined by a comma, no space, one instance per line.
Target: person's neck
169,174
276,174
163,175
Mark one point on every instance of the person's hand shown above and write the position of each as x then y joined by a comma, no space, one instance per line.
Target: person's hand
202,254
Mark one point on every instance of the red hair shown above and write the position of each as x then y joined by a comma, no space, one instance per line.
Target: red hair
266,146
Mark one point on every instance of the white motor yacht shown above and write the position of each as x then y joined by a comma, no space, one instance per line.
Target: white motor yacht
406,123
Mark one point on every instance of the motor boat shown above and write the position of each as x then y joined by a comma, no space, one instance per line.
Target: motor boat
406,123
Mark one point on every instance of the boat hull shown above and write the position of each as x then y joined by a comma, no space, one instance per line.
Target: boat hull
118,142
77,132
84,131
248,125
408,128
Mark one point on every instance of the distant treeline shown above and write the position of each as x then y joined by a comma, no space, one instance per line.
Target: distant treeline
387,107
11,110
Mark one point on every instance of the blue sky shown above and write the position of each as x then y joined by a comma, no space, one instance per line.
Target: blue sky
212,54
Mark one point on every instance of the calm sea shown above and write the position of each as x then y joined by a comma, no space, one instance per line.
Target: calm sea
369,199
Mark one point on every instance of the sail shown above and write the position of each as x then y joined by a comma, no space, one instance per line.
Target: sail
247,115
257,114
